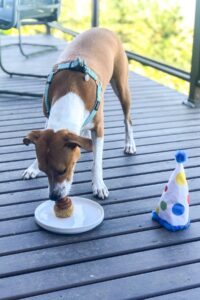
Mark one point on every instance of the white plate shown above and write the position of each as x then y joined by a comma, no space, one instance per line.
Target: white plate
87,214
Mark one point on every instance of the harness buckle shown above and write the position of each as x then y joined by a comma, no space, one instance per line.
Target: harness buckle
97,105
50,77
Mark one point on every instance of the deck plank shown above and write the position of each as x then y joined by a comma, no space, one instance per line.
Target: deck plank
183,277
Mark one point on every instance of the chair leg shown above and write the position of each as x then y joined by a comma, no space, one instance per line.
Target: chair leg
10,73
21,44
20,39
1,64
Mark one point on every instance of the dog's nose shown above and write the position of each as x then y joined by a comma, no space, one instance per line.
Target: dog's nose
54,196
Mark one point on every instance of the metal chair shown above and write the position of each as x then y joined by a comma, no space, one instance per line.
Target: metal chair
16,13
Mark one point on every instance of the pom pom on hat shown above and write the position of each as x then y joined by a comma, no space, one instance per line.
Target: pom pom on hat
181,156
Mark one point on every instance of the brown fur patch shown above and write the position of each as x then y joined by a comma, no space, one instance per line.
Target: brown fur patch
57,152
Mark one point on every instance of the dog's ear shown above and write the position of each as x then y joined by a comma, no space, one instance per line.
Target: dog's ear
32,137
72,140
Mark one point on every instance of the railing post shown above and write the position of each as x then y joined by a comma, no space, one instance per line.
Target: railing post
194,94
95,13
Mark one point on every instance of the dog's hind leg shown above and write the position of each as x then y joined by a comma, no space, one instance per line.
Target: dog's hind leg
119,83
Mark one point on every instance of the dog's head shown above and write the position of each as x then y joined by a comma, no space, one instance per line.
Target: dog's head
57,154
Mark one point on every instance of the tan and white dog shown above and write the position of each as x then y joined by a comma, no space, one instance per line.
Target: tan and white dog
72,98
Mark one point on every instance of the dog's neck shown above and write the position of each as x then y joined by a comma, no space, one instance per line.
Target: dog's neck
69,113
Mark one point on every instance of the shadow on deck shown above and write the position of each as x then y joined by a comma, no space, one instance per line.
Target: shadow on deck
128,256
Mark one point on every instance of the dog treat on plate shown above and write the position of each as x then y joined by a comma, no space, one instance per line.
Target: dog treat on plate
63,208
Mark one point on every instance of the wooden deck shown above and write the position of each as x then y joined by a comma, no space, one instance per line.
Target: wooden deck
127,257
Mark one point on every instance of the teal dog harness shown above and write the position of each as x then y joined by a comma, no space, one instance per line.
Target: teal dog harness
79,66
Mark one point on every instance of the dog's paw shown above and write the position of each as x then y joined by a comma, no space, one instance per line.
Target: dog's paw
100,190
130,148
30,173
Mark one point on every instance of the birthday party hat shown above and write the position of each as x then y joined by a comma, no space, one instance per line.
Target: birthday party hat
172,211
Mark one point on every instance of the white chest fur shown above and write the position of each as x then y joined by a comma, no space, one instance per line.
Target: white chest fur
68,112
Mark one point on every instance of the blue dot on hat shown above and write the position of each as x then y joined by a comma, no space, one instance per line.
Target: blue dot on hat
178,209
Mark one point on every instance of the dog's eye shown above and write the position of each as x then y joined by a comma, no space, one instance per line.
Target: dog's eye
72,146
60,173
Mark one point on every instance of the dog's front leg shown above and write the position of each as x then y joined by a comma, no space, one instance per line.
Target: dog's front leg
98,185
32,171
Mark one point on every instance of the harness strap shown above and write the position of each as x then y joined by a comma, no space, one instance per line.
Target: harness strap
79,66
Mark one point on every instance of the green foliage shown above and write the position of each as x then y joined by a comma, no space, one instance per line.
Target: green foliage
154,29
76,14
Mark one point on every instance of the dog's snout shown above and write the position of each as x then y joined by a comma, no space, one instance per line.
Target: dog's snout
54,196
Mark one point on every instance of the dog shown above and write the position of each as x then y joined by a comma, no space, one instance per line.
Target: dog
71,96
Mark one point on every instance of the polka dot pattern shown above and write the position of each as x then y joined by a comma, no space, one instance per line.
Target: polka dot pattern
157,210
166,188
180,178
178,209
163,205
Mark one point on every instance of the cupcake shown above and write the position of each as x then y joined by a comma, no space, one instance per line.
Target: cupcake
63,208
